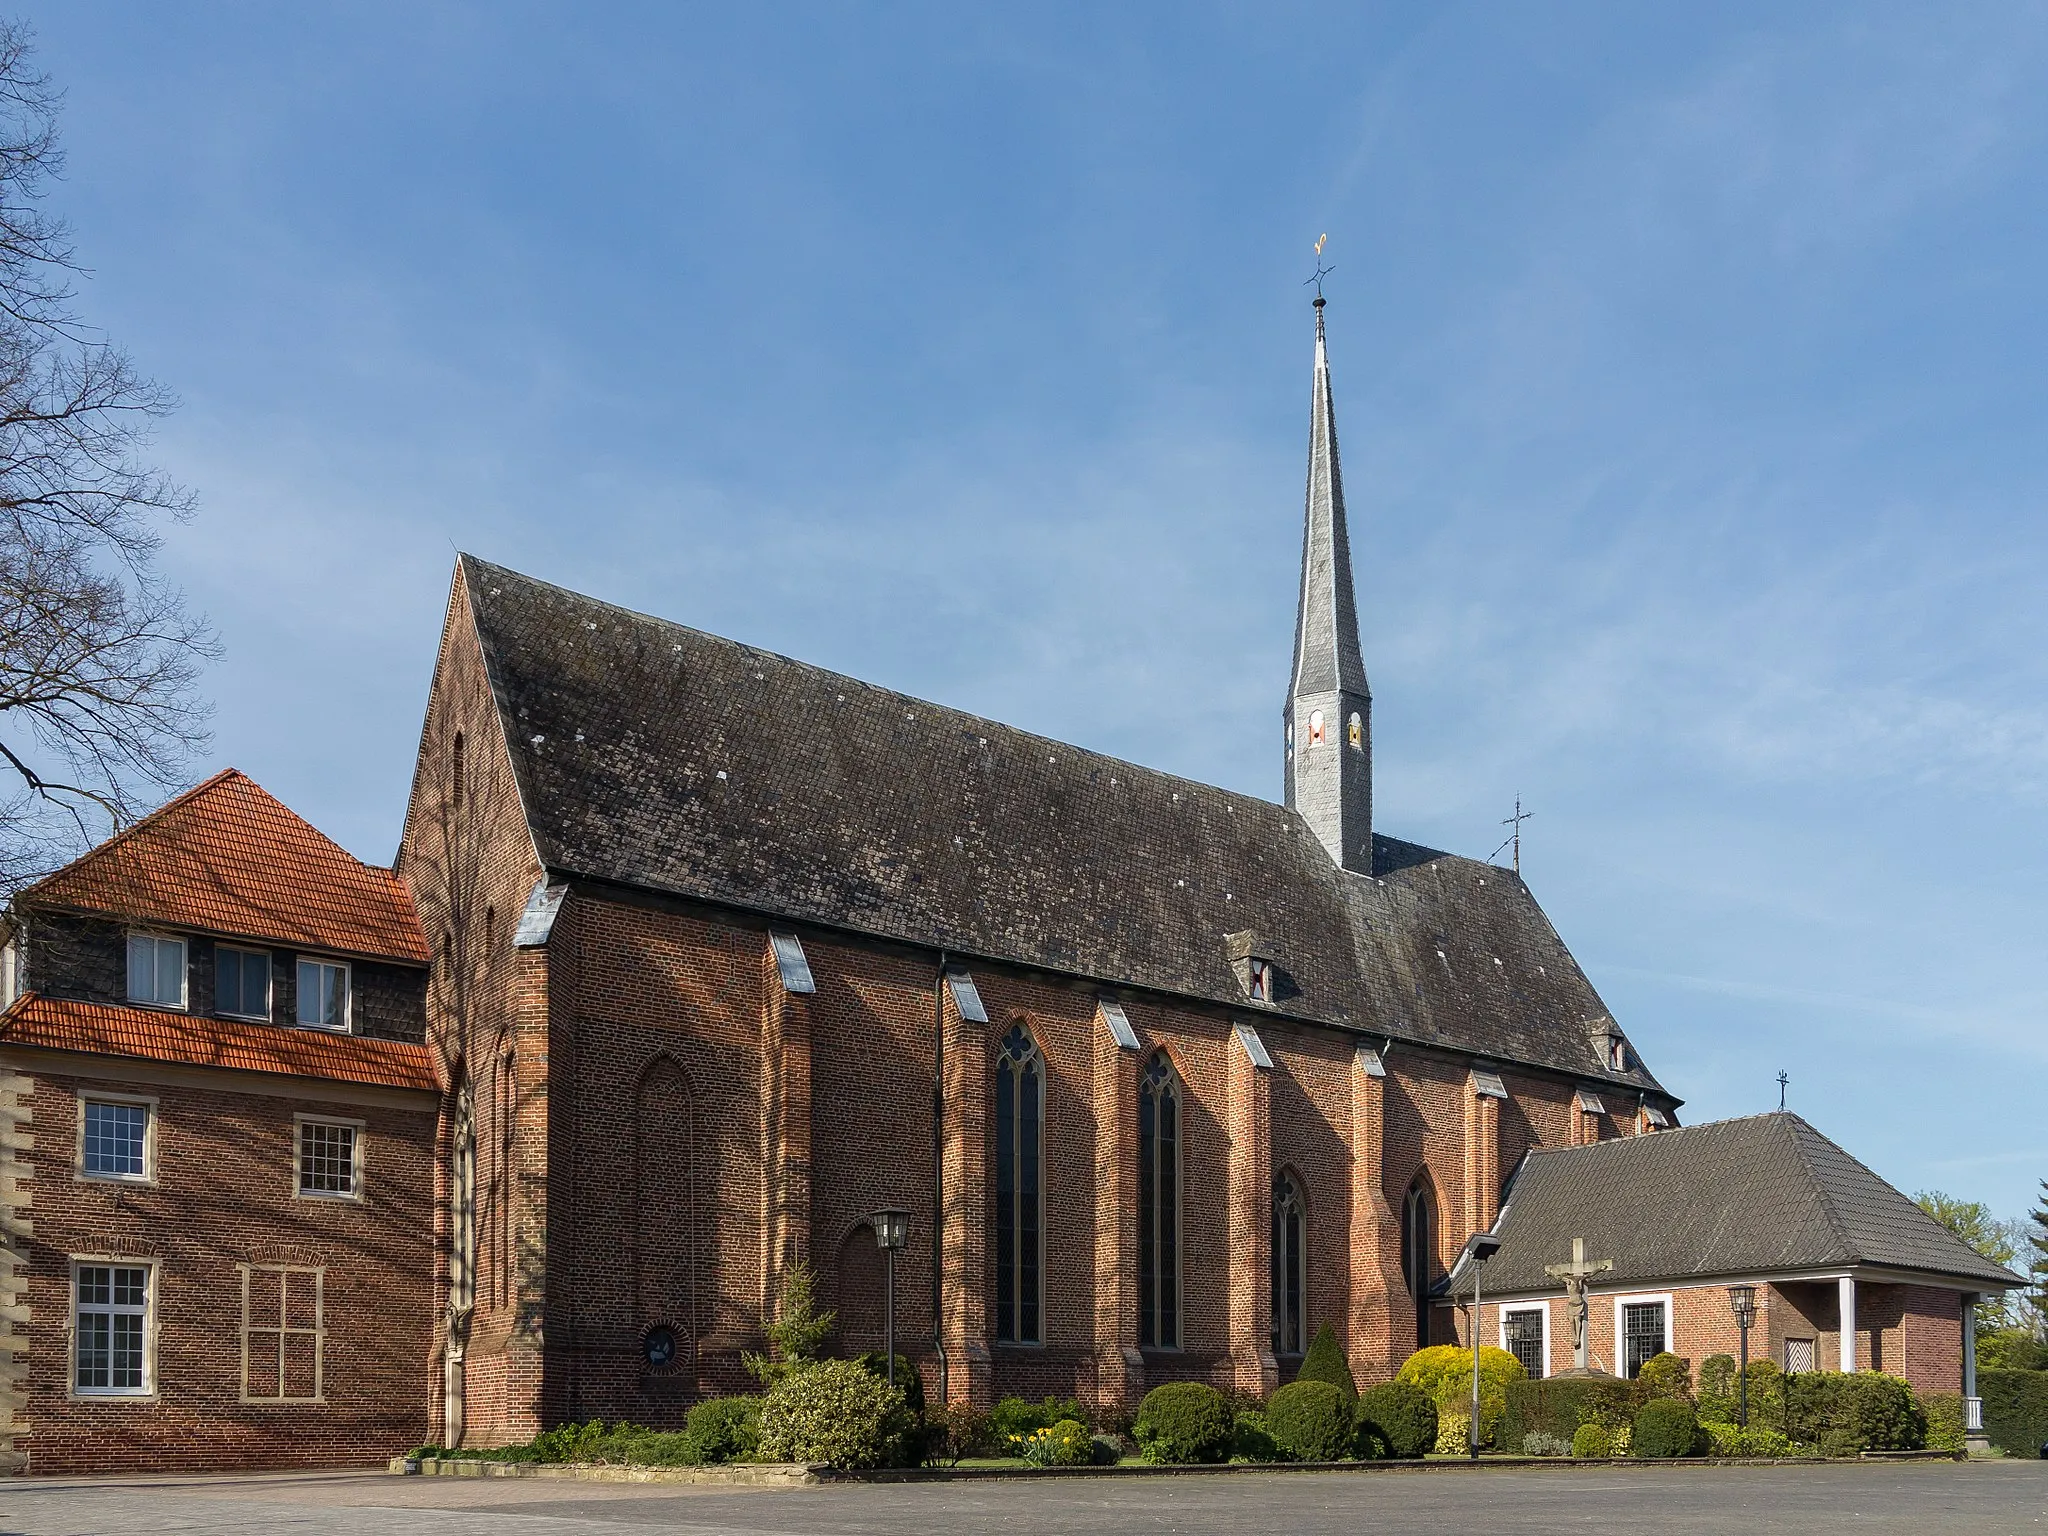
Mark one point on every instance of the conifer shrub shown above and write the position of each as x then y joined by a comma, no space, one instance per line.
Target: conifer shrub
1394,1419
2015,1410
908,1382
1325,1361
1664,1427
1184,1421
1310,1421
1945,1421
1252,1440
1590,1441
1844,1413
726,1429
834,1411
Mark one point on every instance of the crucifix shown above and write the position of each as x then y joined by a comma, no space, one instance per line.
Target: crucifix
1575,1275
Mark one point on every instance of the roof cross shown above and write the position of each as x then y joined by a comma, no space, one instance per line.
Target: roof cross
1575,1275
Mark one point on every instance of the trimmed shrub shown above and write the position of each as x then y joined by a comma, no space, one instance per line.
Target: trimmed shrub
1184,1421
1590,1441
1444,1371
1945,1419
2015,1410
1664,1428
1454,1435
1559,1406
1394,1419
1325,1362
1251,1440
1103,1451
1847,1413
1667,1375
1065,1444
1729,1440
1014,1418
834,1411
1541,1443
1310,1421
726,1428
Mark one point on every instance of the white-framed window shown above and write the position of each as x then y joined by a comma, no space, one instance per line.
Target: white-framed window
330,1158
1642,1329
117,1137
1525,1334
111,1306
241,982
284,1333
323,994
156,970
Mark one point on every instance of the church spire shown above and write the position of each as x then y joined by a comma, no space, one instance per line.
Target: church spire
1329,706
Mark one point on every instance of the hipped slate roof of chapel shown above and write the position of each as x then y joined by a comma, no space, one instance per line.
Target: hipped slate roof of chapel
1764,1195
660,757
228,858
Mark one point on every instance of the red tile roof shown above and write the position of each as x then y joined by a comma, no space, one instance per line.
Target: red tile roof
228,858
100,1029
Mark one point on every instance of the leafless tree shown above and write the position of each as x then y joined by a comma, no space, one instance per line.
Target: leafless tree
99,656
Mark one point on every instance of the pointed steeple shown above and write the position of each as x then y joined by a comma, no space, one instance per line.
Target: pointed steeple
1329,705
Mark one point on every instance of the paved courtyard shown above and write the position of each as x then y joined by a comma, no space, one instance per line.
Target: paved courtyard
1984,1498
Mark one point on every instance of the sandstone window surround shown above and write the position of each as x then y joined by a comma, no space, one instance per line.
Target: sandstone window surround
1159,1206
1019,1174
156,970
284,1333
330,1158
113,1327
116,1137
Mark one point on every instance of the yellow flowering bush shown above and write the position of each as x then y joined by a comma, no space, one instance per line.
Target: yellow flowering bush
1065,1444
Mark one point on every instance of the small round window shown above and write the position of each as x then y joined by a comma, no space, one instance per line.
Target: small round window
659,1347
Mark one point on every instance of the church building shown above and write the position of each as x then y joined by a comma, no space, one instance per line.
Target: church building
694,959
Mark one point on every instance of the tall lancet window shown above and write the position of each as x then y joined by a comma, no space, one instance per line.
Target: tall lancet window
1159,1206
1020,1121
1418,1251
1290,1252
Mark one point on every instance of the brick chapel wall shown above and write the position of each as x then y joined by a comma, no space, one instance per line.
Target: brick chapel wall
470,868
86,958
1312,1138
225,1195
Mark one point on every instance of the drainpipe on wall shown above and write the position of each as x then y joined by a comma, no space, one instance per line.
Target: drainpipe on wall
939,1171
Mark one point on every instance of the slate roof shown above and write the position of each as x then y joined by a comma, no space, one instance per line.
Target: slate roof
1757,1196
101,1029
228,858
660,757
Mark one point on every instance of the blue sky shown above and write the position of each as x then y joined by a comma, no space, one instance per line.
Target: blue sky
1690,367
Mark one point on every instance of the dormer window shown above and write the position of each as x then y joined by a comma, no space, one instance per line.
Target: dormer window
1252,962
156,970
1315,727
1259,984
1617,1053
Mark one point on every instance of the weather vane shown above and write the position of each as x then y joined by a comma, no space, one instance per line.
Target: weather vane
1321,270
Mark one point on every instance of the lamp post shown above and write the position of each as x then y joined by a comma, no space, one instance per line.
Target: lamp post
1743,1299
892,1231
1479,1247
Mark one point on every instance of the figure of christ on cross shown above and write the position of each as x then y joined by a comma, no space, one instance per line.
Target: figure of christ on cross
1575,1275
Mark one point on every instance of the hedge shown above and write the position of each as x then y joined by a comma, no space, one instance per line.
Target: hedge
1857,1411
1310,1421
2015,1410
1184,1421
1558,1406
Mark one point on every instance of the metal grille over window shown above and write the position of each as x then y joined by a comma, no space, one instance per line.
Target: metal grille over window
156,970
112,1327
241,982
1289,1328
1020,1099
1642,1334
283,1331
327,1158
1524,1332
323,994
116,1139
1159,1206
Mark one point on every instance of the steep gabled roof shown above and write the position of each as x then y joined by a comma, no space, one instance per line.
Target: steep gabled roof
228,858
1763,1195
656,756
149,1034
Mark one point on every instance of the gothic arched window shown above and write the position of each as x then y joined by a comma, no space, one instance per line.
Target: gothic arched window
1290,1255
458,773
1418,1251
1159,1206
1315,727
1020,1122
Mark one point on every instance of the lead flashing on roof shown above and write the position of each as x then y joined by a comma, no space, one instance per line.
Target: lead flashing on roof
1254,1047
1368,1061
965,997
1118,1024
1487,1085
537,921
791,963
